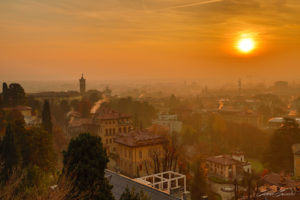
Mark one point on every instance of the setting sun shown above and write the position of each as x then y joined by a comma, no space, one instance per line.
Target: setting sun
246,45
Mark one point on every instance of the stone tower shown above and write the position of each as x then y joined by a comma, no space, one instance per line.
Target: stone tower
82,85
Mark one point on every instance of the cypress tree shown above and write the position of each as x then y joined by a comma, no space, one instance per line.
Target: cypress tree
199,187
5,94
46,117
9,153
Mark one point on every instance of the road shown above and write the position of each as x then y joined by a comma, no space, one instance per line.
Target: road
216,187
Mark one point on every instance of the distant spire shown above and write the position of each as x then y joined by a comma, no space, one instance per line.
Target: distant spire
82,85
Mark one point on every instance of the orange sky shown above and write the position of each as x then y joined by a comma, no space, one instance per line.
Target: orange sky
135,39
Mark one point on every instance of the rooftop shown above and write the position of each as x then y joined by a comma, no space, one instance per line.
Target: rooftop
120,183
81,122
223,160
140,138
19,108
279,180
104,113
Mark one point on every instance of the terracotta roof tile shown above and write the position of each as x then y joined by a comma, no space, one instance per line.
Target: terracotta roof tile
140,138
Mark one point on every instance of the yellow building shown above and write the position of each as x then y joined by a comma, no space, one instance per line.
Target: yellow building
222,166
296,151
136,152
111,124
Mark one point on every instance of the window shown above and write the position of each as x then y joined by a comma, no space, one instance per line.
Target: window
124,130
141,167
140,154
110,131
106,132
120,130
110,141
106,141
150,153
114,131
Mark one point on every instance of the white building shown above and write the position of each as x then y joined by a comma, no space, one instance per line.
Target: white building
169,121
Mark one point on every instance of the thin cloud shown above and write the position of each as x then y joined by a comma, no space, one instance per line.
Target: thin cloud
194,4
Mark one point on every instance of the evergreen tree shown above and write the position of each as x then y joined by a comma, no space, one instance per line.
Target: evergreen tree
37,150
9,153
279,155
133,195
84,164
5,94
46,117
16,94
198,188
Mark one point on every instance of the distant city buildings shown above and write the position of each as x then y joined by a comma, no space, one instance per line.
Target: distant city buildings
57,97
277,122
170,121
281,85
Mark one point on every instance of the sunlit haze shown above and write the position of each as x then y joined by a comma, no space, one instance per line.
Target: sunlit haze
149,39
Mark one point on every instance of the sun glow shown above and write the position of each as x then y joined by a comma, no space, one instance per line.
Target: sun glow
246,45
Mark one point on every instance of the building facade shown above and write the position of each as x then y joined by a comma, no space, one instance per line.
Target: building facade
296,151
228,167
106,123
137,151
112,125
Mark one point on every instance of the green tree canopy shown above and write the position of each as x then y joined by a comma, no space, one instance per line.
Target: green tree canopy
84,164
279,155
16,94
133,195
13,95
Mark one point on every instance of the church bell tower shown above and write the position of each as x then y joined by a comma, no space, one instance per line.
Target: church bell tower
82,85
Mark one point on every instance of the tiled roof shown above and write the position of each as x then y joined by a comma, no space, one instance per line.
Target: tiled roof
278,180
223,160
107,113
19,108
120,183
81,122
287,197
139,138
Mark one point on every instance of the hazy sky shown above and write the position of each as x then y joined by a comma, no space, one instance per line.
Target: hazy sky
136,39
